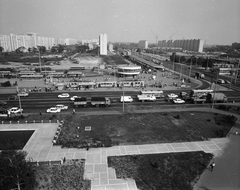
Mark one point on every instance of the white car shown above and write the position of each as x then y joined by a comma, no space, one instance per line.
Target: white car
126,99
53,110
73,98
178,101
63,95
171,96
23,94
15,110
61,107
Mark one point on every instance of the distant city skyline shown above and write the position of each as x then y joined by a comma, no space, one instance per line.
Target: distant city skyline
215,21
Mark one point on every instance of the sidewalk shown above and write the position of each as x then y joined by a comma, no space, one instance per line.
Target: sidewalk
226,156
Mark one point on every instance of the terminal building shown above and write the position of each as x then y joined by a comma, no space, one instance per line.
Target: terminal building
128,70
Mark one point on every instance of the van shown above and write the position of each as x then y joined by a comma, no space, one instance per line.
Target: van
126,99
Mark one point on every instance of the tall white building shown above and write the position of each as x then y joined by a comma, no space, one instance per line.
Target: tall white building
103,44
143,44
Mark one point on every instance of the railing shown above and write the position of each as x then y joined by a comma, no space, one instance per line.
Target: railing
27,121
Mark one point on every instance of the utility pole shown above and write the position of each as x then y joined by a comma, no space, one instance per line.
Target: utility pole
19,100
215,89
237,71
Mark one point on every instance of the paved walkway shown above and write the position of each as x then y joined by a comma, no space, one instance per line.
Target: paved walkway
40,148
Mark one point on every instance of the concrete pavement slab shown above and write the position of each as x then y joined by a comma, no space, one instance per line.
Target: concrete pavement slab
99,187
88,168
148,151
113,152
100,168
60,156
95,181
131,148
93,159
181,149
131,184
162,149
79,155
192,146
52,156
143,147
178,145
117,181
117,187
170,148
103,179
69,155
111,173
104,157
122,150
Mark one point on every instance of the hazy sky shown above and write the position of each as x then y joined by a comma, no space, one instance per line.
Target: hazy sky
216,21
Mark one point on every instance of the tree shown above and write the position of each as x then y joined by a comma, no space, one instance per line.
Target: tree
15,171
1,49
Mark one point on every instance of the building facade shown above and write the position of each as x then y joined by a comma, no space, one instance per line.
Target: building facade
143,44
188,44
103,44
13,41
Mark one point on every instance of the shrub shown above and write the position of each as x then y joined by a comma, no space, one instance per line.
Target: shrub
6,84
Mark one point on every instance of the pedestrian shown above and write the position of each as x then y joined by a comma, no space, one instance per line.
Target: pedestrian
40,113
212,166
74,112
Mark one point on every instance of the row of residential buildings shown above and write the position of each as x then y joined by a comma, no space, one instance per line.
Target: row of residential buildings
189,45
13,41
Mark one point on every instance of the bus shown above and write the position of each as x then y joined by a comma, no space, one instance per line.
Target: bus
107,84
199,96
156,93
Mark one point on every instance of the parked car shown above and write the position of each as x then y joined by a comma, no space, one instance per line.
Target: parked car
73,97
61,107
53,110
15,110
63,95
178,101
3,103
23,94
220,81
172,96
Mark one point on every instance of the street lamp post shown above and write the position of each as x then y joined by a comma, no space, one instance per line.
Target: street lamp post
190,70
19,100
215,89
123,95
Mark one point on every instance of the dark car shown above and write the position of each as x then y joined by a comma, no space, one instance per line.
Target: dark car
3,103
13,97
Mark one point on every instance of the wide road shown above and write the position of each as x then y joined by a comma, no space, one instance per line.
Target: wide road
36,102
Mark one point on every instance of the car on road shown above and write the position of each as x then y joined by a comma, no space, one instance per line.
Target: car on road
73,98
178,101
64,95
23,94
172,96
61,107
15,110
126,99
220,81
53,110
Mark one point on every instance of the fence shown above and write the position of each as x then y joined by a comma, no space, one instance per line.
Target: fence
8,121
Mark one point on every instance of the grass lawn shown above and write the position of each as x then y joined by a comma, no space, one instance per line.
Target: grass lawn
162,171
143,128
62,177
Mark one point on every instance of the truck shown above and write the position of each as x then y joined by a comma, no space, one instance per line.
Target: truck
146,97
199,75
94,101
81,101
199,96
97,101
216,97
